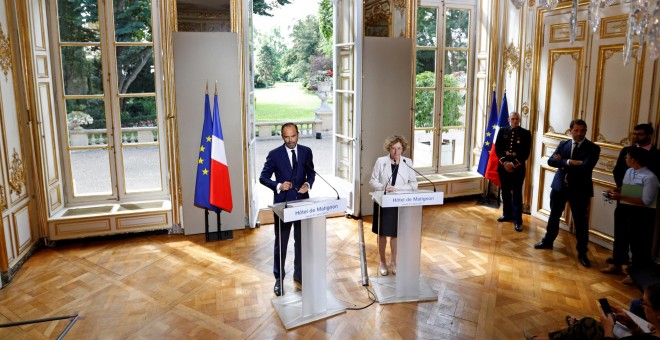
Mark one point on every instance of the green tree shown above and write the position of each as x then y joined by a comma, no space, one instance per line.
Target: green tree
452,101
267,65
325,26
261,7
306,40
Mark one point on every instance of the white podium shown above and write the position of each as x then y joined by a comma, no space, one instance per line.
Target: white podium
315,302
407,285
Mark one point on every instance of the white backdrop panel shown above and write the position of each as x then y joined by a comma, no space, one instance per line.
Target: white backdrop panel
198,57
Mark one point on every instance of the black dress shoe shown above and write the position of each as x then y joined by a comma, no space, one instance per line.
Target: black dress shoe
504,218
584,260
277,289
518,227
543,245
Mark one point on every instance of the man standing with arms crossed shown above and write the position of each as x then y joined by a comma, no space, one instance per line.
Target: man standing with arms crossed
575,160
512,148
293,167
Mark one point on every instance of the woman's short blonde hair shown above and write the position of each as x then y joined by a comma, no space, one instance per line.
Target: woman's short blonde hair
393,139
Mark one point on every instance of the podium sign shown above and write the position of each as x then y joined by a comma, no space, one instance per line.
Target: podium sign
408,198
407,285
315,302
309,208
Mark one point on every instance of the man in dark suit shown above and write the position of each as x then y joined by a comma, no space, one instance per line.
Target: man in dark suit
642,138
575,160
293,167
512,148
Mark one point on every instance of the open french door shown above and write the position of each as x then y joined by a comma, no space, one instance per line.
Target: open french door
248,62
348,38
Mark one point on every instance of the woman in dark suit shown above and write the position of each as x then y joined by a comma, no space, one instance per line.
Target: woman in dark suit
389,176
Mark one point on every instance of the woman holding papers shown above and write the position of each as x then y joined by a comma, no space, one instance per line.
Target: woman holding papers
638,196
390,176
619,324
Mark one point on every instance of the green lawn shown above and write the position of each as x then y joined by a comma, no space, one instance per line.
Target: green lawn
285,102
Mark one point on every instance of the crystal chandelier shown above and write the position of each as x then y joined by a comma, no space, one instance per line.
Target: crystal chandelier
643,23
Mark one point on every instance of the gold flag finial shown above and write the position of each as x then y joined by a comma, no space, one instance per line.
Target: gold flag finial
207,86
216,87
494,86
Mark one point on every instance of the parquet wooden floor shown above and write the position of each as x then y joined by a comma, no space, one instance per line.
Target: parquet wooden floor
491,284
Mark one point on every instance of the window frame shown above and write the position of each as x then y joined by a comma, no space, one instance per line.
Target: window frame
438,88
111,98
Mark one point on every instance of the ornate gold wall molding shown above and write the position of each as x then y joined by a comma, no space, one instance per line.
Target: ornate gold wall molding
562,32
16,174
511,58
399,4
377,13
5,53
613,27
525,109
3,198
528,57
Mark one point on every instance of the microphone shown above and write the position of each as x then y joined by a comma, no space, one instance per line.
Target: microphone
396,167
293,176
311,167
420,174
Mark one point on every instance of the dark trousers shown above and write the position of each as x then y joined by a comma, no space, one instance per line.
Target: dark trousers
633,229
512,200
297,238
621,235
642,224
579,205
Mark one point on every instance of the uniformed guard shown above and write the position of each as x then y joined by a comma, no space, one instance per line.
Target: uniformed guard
512,148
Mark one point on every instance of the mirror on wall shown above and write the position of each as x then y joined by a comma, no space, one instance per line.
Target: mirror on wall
203,15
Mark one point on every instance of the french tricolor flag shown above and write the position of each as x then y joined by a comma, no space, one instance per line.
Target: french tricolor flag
220,186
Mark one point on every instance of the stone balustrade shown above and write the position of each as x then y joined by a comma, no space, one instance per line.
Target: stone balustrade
272,130
86,137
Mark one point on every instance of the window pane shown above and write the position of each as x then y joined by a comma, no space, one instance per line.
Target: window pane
457,30
132,20
452,150
456,65
85,120
79,21
424,101
425,69
426,26
423,148
81,70
90,170
142,168
135,69
453,107
138,112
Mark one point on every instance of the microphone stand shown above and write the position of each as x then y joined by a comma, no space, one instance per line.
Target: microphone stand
396,167
293,176
308,166
433,184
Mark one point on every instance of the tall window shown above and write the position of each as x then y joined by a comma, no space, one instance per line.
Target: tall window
108,99
442,86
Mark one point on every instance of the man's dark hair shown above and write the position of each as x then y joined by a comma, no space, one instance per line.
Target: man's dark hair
648,129
639,154
578,122
289,124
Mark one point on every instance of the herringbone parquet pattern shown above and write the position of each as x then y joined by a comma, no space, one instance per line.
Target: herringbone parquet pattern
491,284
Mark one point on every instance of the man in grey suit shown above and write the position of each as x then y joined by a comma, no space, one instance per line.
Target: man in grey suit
575,160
